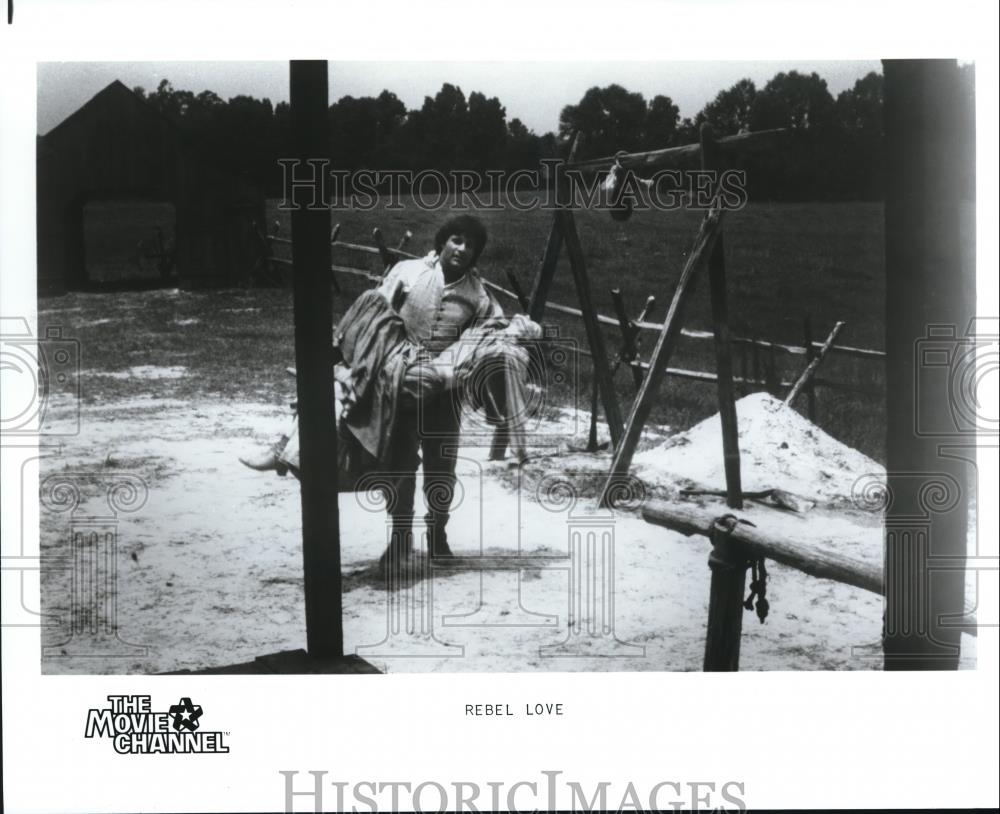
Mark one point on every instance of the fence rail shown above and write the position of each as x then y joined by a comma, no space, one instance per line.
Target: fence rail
755,345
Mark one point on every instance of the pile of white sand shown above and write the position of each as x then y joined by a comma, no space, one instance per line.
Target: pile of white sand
778,449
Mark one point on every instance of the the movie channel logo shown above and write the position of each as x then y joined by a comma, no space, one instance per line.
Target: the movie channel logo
135,729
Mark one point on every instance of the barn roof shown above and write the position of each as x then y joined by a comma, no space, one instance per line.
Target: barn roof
115,94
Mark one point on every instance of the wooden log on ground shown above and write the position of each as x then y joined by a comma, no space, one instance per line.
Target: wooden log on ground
817,559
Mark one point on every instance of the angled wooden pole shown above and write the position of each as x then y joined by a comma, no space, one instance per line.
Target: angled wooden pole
539,294
602,370
723,349
550,257
313,329
806,376
698,258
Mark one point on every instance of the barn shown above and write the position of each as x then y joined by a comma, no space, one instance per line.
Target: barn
118,146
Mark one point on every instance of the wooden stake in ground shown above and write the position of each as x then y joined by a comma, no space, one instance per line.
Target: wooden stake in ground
313,329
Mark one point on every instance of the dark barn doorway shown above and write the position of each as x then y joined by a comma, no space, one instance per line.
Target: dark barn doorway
129,242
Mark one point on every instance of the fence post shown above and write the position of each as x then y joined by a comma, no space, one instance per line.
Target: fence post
723,349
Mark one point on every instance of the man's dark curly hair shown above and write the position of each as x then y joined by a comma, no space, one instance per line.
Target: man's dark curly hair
471,228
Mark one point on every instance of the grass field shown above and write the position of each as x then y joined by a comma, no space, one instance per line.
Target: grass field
784,261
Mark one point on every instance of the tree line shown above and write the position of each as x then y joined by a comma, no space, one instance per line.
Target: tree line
835,153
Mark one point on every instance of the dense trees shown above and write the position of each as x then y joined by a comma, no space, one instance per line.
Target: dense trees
835,151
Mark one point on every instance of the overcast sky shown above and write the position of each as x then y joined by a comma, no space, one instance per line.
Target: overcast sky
534,92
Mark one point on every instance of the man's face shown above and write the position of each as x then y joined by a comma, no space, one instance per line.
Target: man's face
456,255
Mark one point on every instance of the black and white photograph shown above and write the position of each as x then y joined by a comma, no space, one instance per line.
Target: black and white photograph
608,388
473,401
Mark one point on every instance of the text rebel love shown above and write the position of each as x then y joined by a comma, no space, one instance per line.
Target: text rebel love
503,710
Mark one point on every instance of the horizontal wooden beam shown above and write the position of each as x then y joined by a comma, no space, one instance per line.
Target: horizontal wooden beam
818,559
685,155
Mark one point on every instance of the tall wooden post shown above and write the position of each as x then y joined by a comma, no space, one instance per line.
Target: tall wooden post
723,349
313,332
929,304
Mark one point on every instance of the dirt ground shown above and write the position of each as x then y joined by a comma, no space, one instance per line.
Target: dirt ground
209,568
200,564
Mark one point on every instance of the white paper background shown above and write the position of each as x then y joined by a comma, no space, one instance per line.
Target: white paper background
830,739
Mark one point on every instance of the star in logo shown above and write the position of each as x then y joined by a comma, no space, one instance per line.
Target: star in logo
186,715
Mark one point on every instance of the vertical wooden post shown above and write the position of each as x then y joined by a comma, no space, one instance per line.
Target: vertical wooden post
728,563
771,372
744,370
930,299
758,370
313,329
697,259
723,349
388,258
810,355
